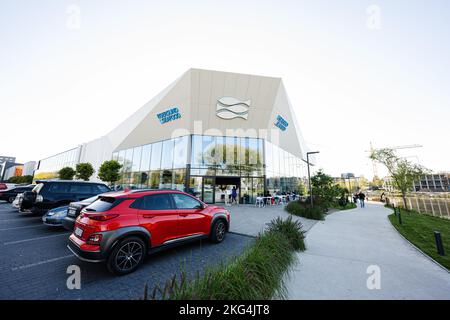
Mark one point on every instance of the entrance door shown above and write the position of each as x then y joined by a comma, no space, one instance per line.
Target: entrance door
223,188
208,190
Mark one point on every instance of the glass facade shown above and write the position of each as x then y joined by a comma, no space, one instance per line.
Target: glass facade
209,167
48,168
157,165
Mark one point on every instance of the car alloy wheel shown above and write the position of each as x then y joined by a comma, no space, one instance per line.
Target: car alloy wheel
220,231
129,256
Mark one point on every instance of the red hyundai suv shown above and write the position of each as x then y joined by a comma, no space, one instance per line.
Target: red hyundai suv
120,228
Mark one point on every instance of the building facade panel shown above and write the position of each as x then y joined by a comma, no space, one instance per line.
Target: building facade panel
205,133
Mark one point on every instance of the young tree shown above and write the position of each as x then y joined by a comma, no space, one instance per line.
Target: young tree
84,171
66,173
324,188
402,171
109,171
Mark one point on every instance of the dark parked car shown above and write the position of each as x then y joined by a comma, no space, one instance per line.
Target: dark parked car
49,194
54,216
10,194
74,209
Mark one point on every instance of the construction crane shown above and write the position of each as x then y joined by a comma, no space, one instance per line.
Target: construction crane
374,164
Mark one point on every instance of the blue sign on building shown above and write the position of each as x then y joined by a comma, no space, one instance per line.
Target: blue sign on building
169,115
281,123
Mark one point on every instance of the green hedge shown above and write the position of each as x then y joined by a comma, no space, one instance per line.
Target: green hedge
300,209
257,274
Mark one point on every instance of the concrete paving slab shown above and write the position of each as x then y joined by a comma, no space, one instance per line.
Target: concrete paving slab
341,249
250,220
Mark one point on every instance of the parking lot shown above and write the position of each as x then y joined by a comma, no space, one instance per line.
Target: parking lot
34,260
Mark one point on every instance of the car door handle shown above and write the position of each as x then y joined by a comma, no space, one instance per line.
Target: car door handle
148,216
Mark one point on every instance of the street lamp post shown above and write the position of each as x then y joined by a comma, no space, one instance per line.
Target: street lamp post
309,177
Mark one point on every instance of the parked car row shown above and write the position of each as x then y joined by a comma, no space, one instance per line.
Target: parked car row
10,194
121,227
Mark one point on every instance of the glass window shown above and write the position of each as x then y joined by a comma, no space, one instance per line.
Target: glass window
167,154
219,154
137,152
166,179
230,151
146,157
155,177
102,204
157,202
81,189
58,188
185,202
128,161
121,157
155,163
115,156
179,179
209,146
252,151
100,188
243,151
269,157
197,151
180,152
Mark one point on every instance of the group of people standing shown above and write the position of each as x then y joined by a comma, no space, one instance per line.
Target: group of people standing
359,197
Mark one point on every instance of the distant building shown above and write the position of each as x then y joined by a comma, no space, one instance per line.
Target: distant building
14,170
5,163
7,159
437,182
28,168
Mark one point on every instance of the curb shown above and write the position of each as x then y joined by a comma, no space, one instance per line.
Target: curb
242,234
415,247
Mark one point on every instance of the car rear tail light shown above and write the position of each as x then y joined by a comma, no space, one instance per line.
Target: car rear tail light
94,239
101,217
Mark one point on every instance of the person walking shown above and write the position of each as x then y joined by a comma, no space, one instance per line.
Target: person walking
234,195
362,198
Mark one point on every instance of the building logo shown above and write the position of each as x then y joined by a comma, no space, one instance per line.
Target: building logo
169,115
230,108
281,123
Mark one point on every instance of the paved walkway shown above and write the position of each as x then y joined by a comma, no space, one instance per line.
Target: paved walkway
341,249
250,220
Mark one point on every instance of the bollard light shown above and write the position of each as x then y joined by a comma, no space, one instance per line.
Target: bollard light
439,245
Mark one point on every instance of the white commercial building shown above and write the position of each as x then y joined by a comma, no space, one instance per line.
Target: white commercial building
204,133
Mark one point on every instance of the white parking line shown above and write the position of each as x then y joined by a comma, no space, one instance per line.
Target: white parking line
19,219
34,239
40,262
26,227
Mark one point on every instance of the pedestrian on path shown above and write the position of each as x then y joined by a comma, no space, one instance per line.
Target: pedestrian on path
234,195
362,198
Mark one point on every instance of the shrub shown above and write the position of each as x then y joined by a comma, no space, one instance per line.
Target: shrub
28,179
84,171
300,209
66,173
258,274
109,171
293,230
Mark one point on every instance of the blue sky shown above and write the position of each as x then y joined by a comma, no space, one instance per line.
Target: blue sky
349,84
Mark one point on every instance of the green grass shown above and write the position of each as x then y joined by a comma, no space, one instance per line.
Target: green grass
419,230
258,274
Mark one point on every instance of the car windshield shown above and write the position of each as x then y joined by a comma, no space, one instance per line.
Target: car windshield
102,204
90,200
38,188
